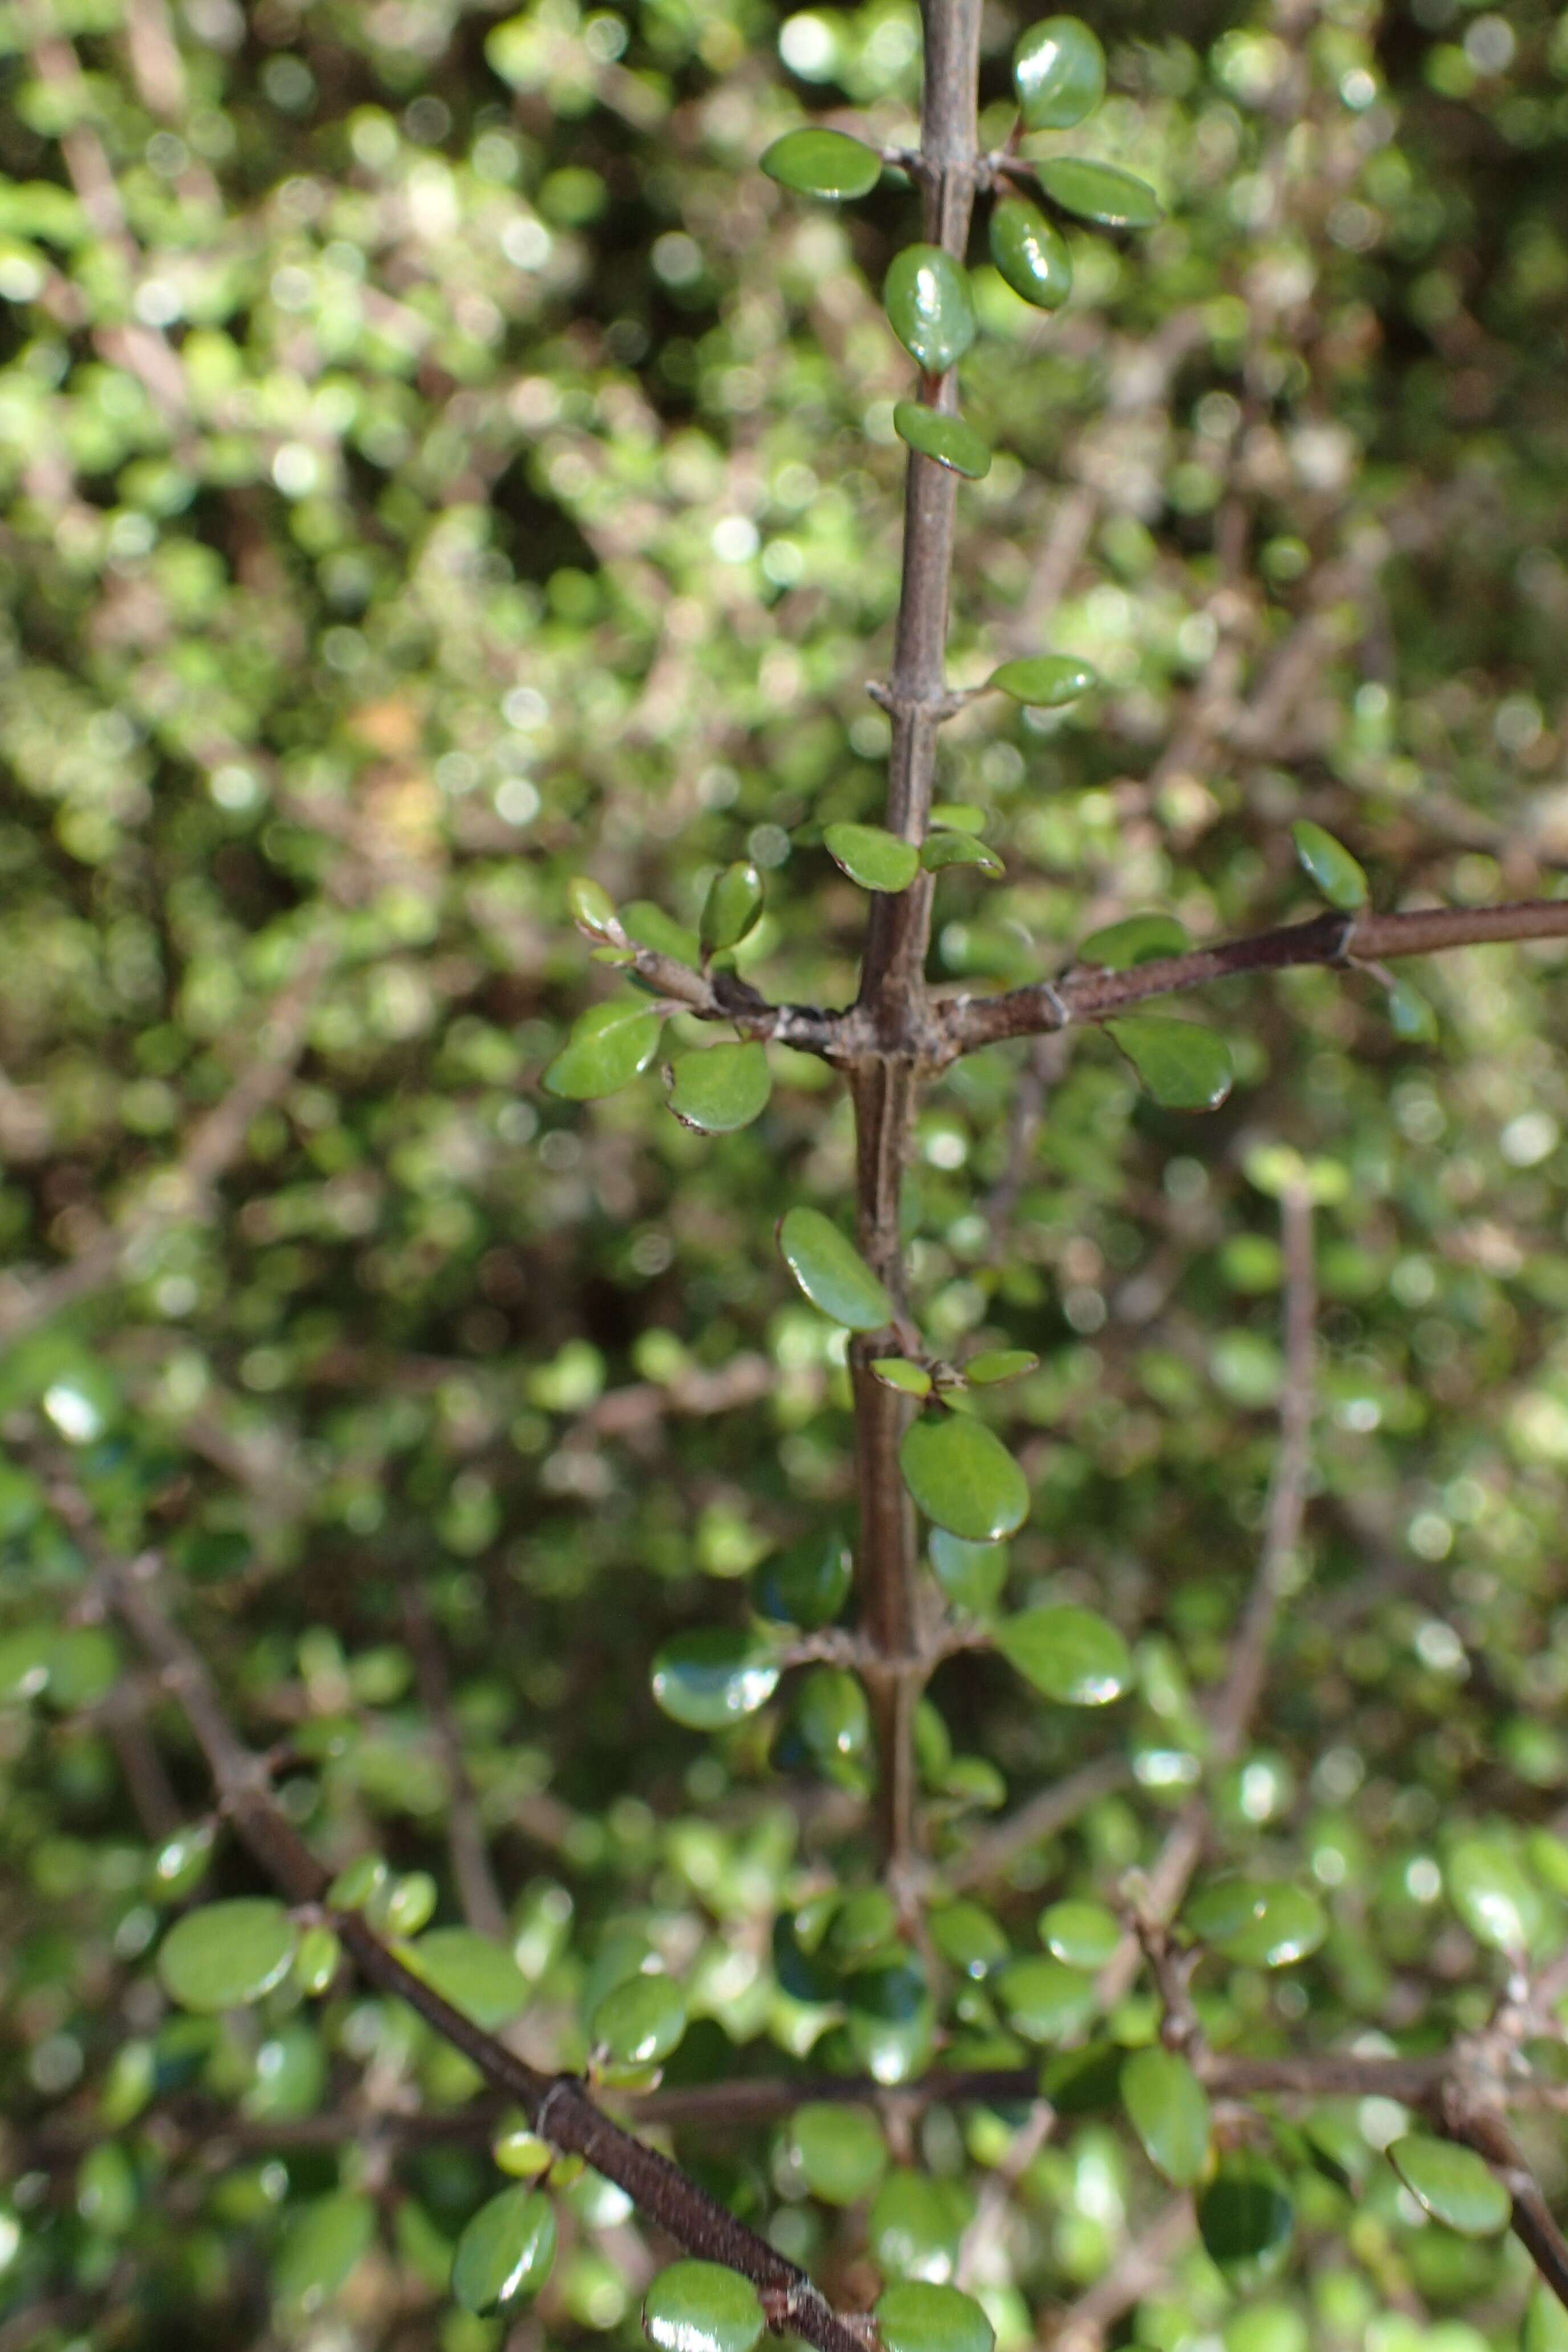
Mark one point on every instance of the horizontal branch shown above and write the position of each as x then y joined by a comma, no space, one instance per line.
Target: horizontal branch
723,996
1088,993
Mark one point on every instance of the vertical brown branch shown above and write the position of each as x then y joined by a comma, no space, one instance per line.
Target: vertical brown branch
892,986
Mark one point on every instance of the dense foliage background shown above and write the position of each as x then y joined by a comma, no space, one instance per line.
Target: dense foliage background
436,463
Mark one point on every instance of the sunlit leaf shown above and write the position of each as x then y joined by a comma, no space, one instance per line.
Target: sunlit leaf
948,439
917,2316
1453,2184
228,1954
506,2251
941,849
713,1677
929,306
1184,1067
702,2307
819,162
1031,253
840,2151
1099,192
1044,681
1059,72
609,1045
1071,1654
962,1477
831,1271
1137,939
718,1088
876,859
1330,866
478,1977
1169,2110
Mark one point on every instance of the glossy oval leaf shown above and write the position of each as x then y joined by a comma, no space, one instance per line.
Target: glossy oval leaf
897,1372
930,307
942,849
915,2225
806,1584
1453,2184
609,1045
323,2242
1169,2109
650,927
505,2252
226,1954
478,1977
1493,1895
823,163
963,1477
877,859
1045,2000
1137,939
1044,681
702,2307
316,1961
1085,1935
732,908
1337,874
832,1273
722,1088
1410,1016
1183,1066
1256,1924
958,816
832,1715
1099,192
917,2316
995,1365
948,439
1031,253
713,1677
1245,2220
592,909
840,2150
640,2021
1059,72
968,1938
970,1574
1071,1654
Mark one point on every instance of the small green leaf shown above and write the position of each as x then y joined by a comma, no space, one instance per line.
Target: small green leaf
840,2150
1246,2219
878,860
521,2153
506,2251
962,1477
897,1372
592,909
325,2238
1031,253
1453,2184
948,439
915,2225
970,1574
914,2316
640,2021
808,1584
1257,1924
1059,72
832,1273
1169,2110
864,1924
832,1715
1045,2000
608,1046
1044,681
929,306
478,1977
1184,1067
993,1365
712,1676
823,163
650,927
958,816
702,2307
941,849
1137,939
890,2019
1084,1935
721,1089
732,908
1337,874
1099,192
360,1884
411,1903
1071,1654
226,1954
1410,1016
968,1938
316,1961
25,1662
1492,1895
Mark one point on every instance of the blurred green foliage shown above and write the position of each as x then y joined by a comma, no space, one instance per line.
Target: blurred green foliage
435,462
